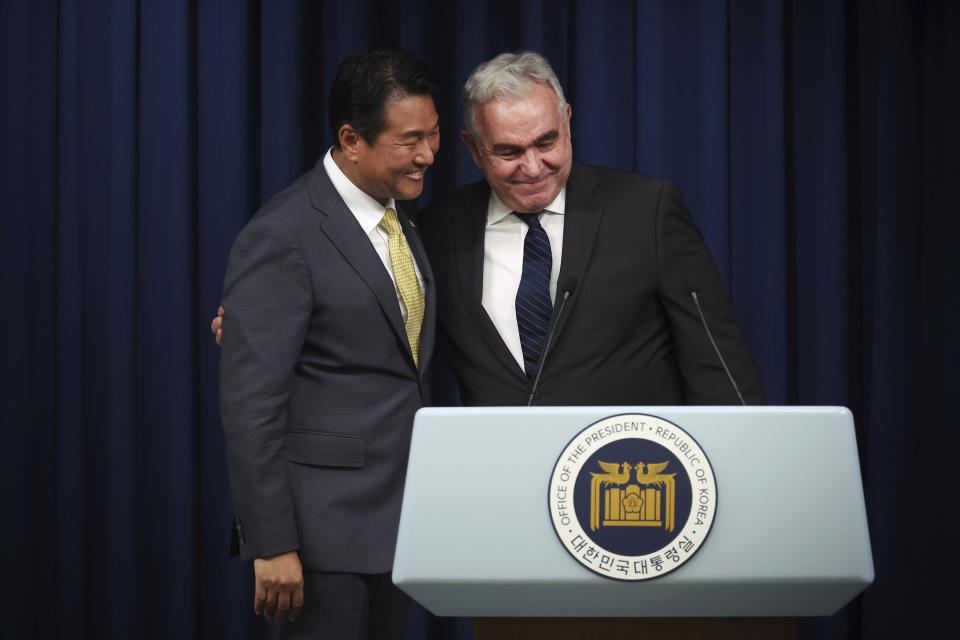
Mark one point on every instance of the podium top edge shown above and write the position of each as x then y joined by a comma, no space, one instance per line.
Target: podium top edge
652,409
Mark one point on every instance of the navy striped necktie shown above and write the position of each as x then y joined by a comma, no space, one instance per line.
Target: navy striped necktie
533,294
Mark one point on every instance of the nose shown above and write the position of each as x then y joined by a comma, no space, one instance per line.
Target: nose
530,162
425,153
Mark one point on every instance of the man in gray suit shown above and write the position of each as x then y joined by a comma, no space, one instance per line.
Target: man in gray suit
330,323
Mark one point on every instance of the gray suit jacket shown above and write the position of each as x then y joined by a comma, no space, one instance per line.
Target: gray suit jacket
318,386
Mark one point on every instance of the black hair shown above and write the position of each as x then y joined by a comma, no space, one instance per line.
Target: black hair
366,81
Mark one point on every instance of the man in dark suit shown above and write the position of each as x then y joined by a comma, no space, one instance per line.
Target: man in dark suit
329,328
618,252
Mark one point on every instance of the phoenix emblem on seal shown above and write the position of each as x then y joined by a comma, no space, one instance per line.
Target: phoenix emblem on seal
649,501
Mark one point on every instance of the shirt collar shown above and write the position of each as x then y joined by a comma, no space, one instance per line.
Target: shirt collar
364,207
497,211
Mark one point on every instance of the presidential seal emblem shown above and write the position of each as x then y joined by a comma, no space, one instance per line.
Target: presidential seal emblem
632,497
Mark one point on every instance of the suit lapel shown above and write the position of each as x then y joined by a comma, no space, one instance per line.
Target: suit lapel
584,210
469,228
340,225
580,223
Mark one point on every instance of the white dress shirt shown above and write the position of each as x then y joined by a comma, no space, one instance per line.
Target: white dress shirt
503,263
368,213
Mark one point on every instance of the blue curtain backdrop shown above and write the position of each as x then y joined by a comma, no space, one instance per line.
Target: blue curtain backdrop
815,143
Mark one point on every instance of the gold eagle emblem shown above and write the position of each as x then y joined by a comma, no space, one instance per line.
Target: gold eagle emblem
649,502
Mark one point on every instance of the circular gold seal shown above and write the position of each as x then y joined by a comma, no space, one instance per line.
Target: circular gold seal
632,497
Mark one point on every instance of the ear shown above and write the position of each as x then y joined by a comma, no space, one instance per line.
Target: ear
350,142
474,153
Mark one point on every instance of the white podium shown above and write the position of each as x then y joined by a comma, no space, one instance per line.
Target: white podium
789,537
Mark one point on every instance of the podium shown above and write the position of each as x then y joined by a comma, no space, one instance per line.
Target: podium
789,537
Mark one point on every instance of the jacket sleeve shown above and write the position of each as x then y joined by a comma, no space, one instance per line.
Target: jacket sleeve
268,301
686,266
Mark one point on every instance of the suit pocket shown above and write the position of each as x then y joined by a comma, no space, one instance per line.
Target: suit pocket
326,449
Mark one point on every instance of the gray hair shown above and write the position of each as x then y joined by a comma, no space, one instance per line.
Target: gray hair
509,75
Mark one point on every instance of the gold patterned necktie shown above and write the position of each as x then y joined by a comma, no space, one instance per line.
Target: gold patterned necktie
406,276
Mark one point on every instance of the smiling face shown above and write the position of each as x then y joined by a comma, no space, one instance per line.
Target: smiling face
522,145
393,166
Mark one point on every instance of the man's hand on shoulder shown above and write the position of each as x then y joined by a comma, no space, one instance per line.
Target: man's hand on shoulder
279,585
216,325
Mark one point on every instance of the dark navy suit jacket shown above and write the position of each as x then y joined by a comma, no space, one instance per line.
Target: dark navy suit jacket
629,334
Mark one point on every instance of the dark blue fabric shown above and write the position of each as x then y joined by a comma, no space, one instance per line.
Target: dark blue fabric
533,304
815,142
